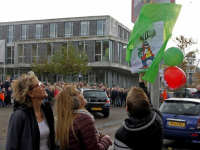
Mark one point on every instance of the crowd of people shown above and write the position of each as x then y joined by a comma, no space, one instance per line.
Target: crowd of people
34,126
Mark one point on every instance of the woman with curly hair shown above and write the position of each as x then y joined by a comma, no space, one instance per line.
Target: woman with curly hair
75,127
31,125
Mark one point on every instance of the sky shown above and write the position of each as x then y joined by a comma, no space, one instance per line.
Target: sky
188,23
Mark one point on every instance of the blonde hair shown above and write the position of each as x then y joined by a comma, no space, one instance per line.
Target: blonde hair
137,102
66,102
22,85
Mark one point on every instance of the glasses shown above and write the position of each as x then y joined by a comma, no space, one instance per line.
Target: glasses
39,84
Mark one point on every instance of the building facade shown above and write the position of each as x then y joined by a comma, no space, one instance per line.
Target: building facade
102,37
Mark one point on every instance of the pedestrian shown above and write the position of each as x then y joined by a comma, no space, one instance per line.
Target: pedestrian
75,126
164,95
143,129
113,96
197,93
9,93
2,103
31,125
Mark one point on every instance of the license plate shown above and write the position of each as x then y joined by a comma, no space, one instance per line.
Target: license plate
96,108
177,124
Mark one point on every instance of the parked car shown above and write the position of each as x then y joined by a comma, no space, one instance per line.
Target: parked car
98,101
181,119
189,93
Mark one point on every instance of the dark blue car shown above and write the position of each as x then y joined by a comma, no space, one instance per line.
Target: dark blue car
181,119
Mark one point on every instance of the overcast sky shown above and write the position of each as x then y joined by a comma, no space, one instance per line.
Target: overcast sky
188,23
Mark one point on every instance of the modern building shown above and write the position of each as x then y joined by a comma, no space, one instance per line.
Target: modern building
102,37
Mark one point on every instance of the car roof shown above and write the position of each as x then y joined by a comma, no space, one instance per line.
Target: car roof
184,99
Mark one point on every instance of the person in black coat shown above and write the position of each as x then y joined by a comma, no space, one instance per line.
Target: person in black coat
113,96
31,125
143,129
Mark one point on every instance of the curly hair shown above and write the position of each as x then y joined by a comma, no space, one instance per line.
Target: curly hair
21,86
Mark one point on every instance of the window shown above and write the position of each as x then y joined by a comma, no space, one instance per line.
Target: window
84,28
34,52
24,32
50,49
102,51
11,31
101,27
10,55
118,51
122,33
98,51
68,29
82,46
119,32
21,56
38,31
53,30
105,51
0,32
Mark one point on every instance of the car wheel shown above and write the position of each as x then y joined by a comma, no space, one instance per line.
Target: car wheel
174,95
106,114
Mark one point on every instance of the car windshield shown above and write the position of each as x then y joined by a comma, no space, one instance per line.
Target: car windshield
181,108
94,94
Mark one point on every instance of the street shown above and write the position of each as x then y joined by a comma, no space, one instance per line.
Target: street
105,125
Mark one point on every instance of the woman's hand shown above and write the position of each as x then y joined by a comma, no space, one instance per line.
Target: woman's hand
109,139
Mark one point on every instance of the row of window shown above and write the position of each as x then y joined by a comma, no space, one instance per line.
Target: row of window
53,30
104,50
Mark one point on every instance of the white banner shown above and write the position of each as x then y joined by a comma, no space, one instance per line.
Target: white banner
2,51
146,48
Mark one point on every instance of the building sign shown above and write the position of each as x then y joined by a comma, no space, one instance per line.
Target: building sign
137,5
2,51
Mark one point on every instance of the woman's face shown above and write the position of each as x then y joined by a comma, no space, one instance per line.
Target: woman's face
81,97
38,90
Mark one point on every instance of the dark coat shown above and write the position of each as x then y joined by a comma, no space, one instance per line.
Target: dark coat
113,95
197,94
141,134
88,138
23,130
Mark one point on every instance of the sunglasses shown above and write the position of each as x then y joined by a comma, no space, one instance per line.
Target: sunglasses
39,84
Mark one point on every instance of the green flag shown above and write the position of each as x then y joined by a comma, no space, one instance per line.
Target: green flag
149,38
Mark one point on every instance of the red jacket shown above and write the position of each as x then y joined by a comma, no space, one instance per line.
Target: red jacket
2,96
88,138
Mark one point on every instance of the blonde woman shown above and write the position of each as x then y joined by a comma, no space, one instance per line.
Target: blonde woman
75,127
31,125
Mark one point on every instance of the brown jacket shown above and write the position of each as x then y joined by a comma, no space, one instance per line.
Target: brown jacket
86,132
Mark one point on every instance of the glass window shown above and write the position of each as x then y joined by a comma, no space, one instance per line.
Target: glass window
0,32
38,31
68,29
50,49
10,34
21,48
24,32
82,46
34,52
119,32
84,28
53,30
181,108
105,51
98,51
101,27
10,55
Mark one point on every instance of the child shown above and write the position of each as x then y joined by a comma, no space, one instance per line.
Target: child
2,98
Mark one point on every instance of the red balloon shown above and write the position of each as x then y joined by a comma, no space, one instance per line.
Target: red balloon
175,77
